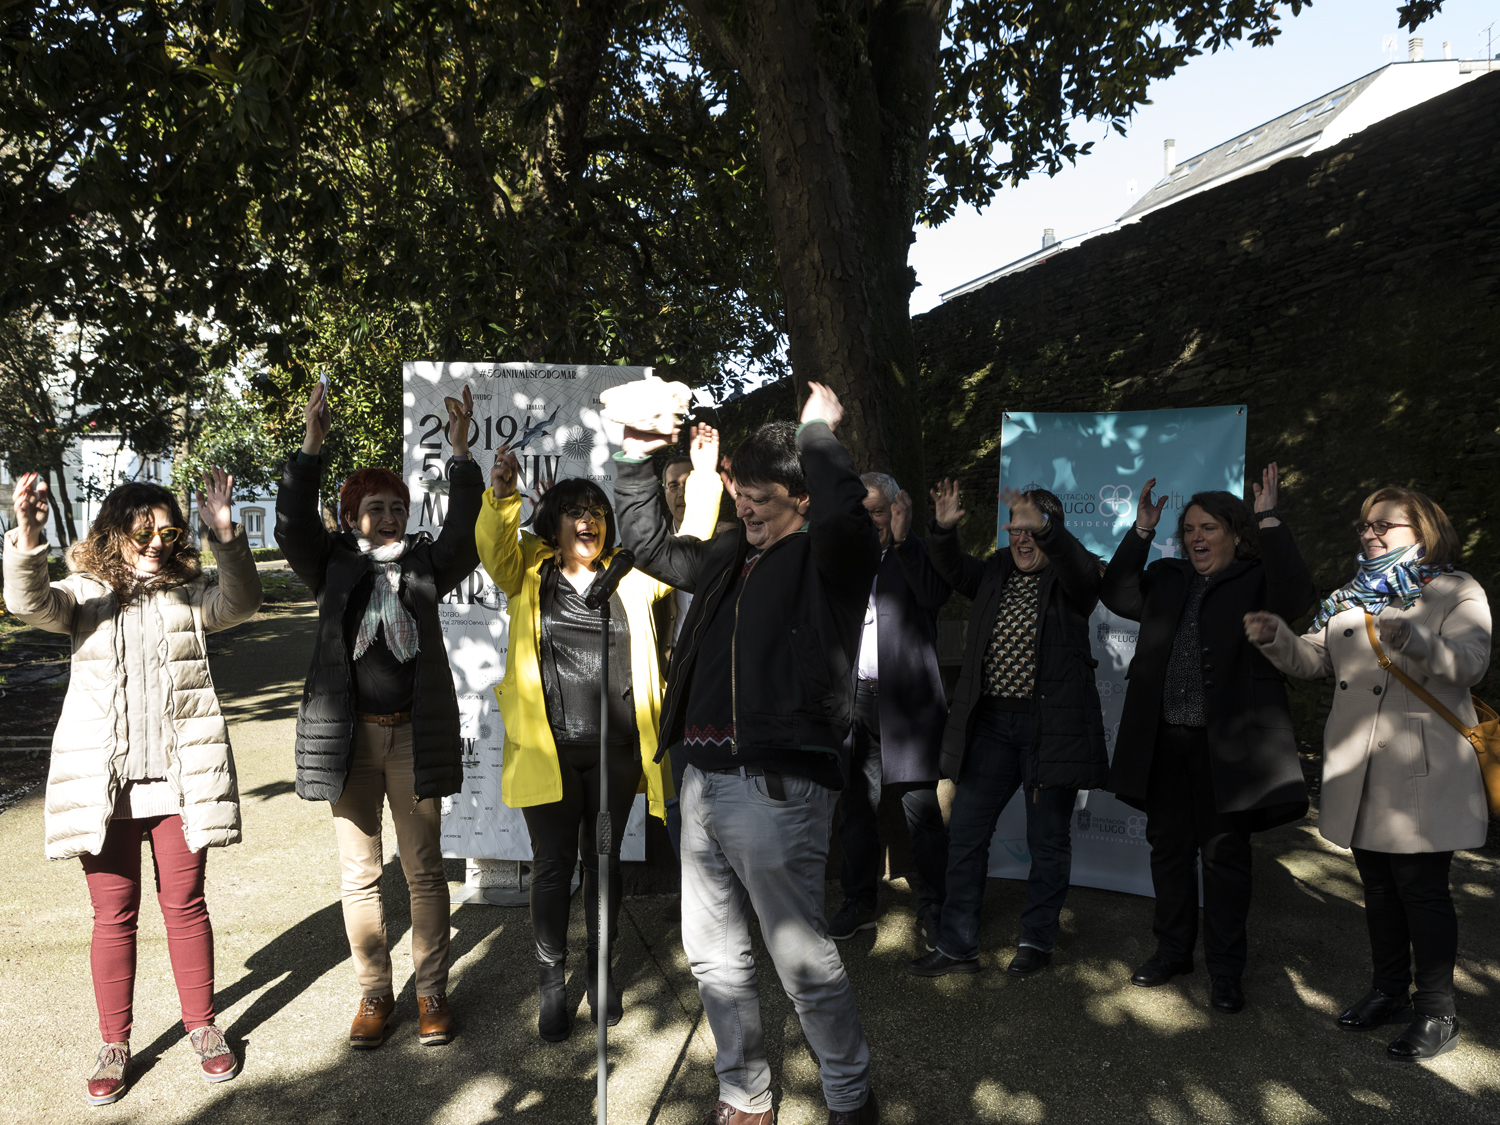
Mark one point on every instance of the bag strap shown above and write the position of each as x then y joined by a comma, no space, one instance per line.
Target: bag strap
1470,733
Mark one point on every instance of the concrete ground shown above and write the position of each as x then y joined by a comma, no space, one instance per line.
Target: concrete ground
1076,1043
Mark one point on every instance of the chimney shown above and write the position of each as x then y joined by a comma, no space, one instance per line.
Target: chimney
1169,155
1414,49
1049,238
1447,49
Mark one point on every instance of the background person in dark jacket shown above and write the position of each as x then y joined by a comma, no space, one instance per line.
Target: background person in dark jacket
899,711
1205,744
379,715
1025,715
758,701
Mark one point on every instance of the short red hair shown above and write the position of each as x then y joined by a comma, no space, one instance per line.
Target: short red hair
368,482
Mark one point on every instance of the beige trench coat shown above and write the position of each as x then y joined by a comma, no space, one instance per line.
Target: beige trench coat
1396,776
90,744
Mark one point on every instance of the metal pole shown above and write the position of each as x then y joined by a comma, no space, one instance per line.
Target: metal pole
601,846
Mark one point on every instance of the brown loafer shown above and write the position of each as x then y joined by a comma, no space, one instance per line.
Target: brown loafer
368,1029
215,1058
107,1084
434,1020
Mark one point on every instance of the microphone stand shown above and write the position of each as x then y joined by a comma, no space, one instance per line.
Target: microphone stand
603,832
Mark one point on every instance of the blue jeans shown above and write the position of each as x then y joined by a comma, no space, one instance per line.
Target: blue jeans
991,774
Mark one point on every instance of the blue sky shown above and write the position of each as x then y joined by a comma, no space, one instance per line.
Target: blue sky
1208,101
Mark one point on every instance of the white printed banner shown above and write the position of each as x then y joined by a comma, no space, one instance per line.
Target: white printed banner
1095,464
549,415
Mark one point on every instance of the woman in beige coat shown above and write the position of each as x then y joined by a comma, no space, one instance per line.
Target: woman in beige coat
141,748
1401,786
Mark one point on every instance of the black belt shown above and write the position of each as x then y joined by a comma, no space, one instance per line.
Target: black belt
775,789
869,687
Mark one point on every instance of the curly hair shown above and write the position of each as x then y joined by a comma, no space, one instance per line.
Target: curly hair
547,518
101,552
1236,516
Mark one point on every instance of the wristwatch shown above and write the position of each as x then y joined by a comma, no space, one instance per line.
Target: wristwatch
1268,514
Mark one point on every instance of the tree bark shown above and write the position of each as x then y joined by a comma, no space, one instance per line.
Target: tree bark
844,102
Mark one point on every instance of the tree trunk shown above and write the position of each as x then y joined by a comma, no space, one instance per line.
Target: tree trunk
844,103
64,502
55,494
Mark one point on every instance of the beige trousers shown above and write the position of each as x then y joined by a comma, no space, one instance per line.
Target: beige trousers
382,769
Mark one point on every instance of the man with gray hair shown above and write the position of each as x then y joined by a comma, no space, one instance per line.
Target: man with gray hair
899,712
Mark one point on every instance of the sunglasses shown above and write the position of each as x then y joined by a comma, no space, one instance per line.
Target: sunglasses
169,535
1379,527
578,511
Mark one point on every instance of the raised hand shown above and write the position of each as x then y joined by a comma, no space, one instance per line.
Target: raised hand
703,448
318,419
822,403
1266,492
1147,514
214,504
32,509
726,474
947,505
1024,514
459,420
504,473
1260,627
900,517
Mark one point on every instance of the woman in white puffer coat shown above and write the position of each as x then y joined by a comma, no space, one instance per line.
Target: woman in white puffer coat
141,749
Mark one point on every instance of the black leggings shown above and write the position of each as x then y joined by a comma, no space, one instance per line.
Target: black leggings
1409,910
560,830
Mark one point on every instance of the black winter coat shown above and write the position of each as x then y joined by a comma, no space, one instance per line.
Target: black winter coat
908,594
800,610
1253,753
335,571
1068,750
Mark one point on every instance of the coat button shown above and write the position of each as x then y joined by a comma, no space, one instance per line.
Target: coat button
1208,683
1206,650
1343,685
1381,742
1207,666
1348,632
1377,691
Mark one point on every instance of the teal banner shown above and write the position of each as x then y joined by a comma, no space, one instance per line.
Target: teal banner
1096,464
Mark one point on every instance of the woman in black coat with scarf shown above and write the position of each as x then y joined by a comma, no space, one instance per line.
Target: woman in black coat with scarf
1205,745
379,718
1025,715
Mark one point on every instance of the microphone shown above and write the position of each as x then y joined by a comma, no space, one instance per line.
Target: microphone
604,586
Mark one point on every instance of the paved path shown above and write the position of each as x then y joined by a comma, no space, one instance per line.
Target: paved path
1076,1043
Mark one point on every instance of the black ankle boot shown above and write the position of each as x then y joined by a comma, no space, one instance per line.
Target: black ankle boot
1426,1038
612,999
552,1024
1373,1009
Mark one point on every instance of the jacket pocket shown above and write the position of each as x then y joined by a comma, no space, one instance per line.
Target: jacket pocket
1416,746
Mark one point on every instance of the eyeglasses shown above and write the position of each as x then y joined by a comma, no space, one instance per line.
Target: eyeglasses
169,535
1379,527
578,511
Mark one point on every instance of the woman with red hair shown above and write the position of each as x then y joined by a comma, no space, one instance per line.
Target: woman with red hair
379,715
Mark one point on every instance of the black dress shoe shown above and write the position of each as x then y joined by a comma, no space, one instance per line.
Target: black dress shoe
1226,995
1159,970
1426,1038
1373,1010
1028,959
937,964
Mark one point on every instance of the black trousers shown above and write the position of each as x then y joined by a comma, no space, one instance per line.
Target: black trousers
560,830
1183,825
859,834
1409,910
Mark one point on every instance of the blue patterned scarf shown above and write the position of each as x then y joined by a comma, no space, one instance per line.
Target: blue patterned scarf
1396,577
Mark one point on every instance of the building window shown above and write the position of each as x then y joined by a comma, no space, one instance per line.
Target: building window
254,520
1245,142
1332,103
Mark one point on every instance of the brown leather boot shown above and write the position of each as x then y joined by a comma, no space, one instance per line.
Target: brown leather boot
726,1114
434,1020
368,1029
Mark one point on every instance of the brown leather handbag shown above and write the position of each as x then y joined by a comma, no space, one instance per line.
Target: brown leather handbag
1485,737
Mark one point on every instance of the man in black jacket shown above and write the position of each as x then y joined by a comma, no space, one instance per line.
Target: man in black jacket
899,712
759,698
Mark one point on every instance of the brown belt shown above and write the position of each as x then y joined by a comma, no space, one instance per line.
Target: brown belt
393,720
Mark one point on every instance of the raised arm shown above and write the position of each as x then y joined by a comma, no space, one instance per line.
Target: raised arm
28,592
300,533
845,544
238,593
1304,657
1122,589
646,529
704,488
961,571
495,537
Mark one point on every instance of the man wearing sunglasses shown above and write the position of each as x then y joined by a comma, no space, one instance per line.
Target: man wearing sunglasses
759,703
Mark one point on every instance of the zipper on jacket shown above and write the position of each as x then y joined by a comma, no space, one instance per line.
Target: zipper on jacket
734,650
668,701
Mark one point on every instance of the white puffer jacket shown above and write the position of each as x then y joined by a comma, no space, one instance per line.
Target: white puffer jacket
91,741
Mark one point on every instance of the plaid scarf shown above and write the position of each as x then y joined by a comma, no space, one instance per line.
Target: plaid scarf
1396,576
385,606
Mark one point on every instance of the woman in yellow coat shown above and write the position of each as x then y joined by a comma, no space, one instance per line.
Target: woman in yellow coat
550,702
